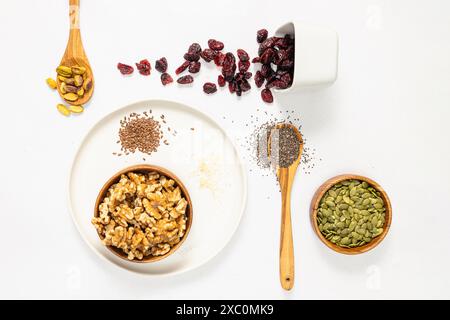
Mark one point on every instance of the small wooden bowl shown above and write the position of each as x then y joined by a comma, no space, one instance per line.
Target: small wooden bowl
145,168
315,206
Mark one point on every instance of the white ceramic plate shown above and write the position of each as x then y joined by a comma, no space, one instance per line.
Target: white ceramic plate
205,160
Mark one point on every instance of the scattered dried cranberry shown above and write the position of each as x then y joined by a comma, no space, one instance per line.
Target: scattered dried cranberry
209,87
221,80
166,78
161,65
195,48
218,60
243,56
243,66
144,67
256,60
266,95
124,68
191,56
215,45
261,35
194,66
183,67
185,79
232,86
229,59
247,75
259,79
208,55
245,86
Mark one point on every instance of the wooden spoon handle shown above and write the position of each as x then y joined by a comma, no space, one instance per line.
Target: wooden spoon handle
286,242
74,14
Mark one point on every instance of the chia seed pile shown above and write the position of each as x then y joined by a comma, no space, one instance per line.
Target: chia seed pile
256,142
284,146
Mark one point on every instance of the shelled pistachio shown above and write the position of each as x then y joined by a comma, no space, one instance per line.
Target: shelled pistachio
74,82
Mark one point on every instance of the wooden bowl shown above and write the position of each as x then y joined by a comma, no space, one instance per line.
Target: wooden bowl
145,168
315,206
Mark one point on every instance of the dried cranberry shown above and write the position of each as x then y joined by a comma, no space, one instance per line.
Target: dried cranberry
266,95
245,86
195,48
281,43
261,35
282,55
144,67
286,78
286,64
208,55
256,60
229,58
268,43
161,65
267,56
276,83
228,73
266,70
191,56
185,79
209,87
183,67
124,68
215,45
247,75
221,80
218,60
243,65
194,66
259,79
232,86
290,51
243,56
166,78
238,91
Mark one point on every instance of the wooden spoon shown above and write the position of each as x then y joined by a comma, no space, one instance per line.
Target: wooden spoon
286,178
75,54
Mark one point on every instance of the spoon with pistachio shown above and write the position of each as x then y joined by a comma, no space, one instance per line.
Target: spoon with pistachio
75,80
285,147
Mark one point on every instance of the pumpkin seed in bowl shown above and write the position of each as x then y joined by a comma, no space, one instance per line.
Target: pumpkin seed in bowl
351,214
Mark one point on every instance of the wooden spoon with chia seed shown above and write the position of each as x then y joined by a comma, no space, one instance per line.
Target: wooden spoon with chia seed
74,54
285,147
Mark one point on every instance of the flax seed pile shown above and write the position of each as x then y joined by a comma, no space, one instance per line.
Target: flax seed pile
139,132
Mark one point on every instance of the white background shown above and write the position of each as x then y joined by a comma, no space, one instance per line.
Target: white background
386,117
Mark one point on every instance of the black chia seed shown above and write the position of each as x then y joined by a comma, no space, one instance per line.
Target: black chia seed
285,147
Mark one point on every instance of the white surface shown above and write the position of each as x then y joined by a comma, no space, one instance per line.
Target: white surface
205,153
316,54
385,117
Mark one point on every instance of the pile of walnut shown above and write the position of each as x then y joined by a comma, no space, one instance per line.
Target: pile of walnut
142,214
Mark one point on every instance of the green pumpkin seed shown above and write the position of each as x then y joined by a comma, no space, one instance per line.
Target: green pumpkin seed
351,214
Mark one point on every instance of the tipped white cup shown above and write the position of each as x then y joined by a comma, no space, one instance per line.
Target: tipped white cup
316,54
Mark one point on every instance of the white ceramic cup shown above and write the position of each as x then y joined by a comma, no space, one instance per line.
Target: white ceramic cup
316,54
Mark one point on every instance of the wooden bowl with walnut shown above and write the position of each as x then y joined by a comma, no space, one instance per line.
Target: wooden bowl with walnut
154,220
